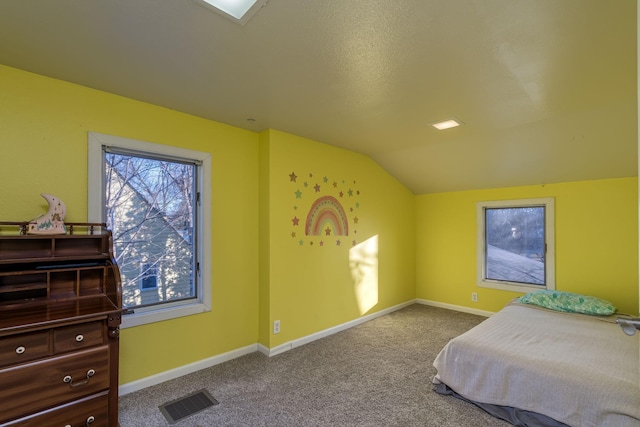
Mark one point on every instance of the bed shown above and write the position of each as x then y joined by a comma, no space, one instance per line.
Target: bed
534,366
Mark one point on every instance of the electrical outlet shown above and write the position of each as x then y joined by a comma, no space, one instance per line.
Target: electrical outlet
276,326
474,296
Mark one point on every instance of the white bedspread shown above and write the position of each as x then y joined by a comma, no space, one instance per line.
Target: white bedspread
577,369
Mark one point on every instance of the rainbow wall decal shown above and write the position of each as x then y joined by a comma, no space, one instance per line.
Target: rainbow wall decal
326,215
332,209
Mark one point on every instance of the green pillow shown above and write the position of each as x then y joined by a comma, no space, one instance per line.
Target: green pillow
569,302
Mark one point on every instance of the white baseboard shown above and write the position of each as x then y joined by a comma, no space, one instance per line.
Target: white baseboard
455,307
325,333
225,357
184,370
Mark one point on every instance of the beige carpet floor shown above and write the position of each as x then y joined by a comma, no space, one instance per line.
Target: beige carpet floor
377,374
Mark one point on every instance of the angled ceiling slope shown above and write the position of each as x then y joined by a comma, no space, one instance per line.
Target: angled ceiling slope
546,89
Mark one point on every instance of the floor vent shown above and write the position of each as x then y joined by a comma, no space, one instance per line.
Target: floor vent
193,403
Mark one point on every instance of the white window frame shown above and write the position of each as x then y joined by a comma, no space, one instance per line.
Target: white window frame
173,310
481,277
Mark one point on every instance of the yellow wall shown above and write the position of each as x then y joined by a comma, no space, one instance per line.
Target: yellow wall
314,285
596,224
43,136
264,242
260,272
258,275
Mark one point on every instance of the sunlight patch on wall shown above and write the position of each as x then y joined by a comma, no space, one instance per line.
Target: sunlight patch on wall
363,263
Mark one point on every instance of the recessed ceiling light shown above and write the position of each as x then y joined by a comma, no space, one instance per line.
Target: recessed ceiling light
239,11
447,124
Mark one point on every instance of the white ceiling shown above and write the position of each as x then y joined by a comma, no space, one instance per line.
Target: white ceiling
546,88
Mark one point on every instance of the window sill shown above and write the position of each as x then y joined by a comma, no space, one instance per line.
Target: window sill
504,286
144,317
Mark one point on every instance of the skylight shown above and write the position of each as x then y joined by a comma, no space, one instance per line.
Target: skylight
239,11
447,124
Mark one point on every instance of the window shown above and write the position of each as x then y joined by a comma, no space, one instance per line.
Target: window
515,244
148,277
151,197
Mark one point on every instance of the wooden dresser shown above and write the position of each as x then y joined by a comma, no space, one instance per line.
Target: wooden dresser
60,311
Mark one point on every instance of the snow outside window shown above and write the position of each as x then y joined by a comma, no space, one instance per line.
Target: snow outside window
515,244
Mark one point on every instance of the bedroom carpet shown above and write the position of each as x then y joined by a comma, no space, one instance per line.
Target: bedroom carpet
377,374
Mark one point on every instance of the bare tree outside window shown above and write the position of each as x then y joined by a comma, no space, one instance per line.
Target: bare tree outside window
150,210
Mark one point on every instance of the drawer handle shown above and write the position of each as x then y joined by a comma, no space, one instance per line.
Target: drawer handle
90,421
21,349
79,338
69,380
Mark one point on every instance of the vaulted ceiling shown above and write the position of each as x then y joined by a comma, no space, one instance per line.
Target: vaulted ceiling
546,89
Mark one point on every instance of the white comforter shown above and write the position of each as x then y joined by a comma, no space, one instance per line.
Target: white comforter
577,369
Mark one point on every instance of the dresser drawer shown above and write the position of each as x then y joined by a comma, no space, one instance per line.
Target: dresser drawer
79,336
91,411
43,384
23,348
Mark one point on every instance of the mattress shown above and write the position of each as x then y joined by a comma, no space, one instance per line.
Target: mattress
575,369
